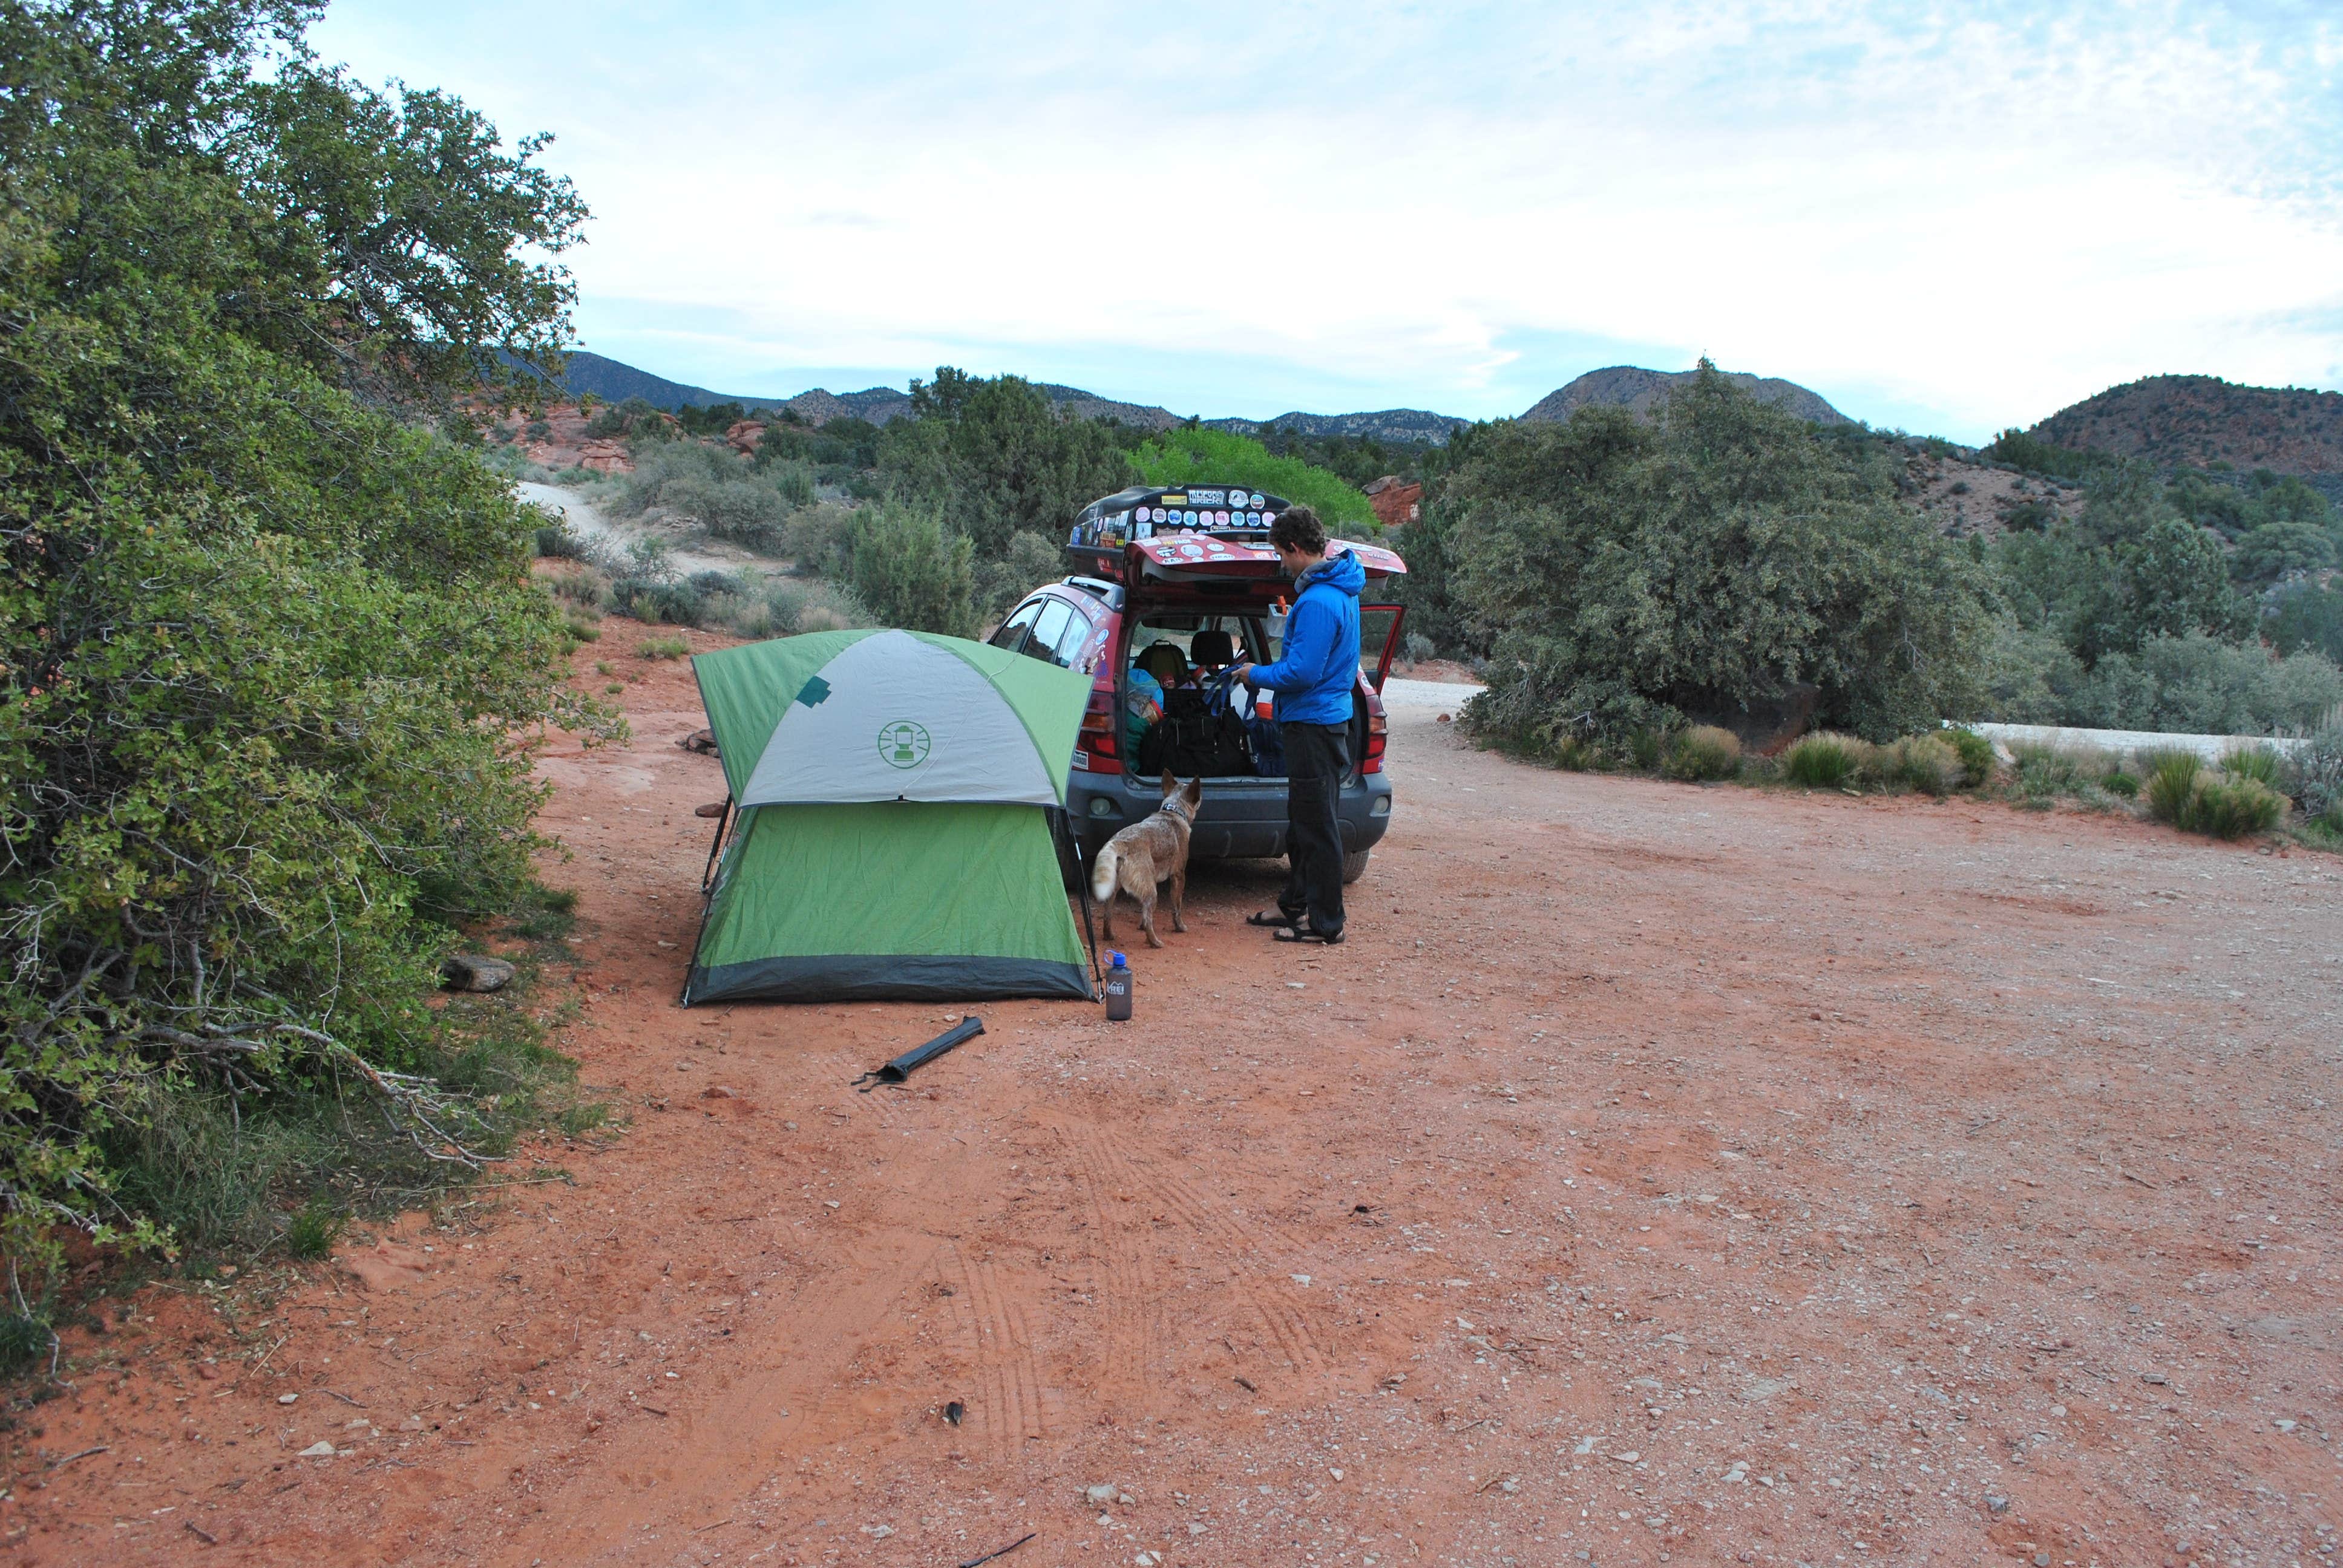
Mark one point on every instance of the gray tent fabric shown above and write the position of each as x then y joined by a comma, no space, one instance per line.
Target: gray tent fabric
946,734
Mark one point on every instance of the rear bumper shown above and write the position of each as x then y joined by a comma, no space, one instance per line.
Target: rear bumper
1238,819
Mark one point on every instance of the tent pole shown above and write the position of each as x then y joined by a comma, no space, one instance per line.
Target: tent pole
708,875
1070,849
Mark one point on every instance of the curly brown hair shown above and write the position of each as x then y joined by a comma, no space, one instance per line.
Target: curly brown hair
1298,529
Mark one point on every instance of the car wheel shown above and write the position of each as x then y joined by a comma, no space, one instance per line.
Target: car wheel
1354,866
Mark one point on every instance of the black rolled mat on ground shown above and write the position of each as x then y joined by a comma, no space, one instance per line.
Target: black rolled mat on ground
911,1061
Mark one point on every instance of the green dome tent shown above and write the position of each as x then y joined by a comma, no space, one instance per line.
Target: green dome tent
893,837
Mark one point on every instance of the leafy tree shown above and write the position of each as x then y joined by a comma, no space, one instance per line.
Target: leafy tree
2276,550
2170,580
1629,573
911,571
1196,456
995,459
1030,560
270,663
2308,616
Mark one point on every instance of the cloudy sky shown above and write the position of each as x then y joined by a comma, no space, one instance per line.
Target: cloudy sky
1946,217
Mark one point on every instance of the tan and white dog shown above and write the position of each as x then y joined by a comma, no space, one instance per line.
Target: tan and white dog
1146,853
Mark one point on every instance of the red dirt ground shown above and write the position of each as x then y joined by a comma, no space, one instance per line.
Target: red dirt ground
1660,1174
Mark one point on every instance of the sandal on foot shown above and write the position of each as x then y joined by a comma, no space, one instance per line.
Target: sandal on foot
1304,934
1280,920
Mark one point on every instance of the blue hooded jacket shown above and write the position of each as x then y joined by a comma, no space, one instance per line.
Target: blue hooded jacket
1319,664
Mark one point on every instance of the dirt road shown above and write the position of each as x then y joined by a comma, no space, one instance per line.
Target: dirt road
1660,1174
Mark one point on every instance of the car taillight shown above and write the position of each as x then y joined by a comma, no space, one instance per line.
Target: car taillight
1378,735
1095,747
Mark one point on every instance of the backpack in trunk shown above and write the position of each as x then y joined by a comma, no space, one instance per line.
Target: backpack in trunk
1200,737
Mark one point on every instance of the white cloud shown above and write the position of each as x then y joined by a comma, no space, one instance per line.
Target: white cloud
1945,217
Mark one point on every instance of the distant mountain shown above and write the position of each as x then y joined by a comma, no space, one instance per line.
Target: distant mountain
1631,387
1404,424
2198,420
615,381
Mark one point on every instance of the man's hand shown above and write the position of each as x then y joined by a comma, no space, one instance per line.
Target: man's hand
1240,672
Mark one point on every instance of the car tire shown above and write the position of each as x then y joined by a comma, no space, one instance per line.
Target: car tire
1354,866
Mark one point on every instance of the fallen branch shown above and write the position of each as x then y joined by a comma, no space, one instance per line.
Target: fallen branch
1005,1551
413,1104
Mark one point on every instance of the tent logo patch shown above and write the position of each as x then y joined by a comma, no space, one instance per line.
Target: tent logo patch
903,744
814,692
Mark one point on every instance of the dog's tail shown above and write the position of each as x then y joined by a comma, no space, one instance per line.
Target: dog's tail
1103,871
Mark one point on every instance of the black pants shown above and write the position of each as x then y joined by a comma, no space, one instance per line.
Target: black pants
1317,755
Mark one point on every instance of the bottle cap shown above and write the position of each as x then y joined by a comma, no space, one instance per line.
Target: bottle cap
1116,961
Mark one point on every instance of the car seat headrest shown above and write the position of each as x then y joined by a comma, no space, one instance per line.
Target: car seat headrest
1165,662
1213,646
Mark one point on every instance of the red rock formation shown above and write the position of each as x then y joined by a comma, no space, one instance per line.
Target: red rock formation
1396,501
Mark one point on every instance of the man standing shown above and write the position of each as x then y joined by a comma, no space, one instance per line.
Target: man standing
1313,677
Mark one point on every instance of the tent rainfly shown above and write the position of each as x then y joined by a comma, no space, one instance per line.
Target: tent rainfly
893,837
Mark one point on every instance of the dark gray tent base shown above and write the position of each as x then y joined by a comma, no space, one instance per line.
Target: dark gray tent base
864,976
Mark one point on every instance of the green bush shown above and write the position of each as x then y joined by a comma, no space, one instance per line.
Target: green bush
2259,763
1977,757
1719,560
911,571
2199,685
821,541
1183,456
2235,809
708,484
314,1228
2308,615
2043,771
662,647
1926,763
25,1341
1032,560
1701,753
2314,772
2173,781
795,605
660,603
1822,760
2120,782
993,458
271,664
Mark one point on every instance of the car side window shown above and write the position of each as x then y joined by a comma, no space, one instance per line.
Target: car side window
1012,631
1049,625
1070,641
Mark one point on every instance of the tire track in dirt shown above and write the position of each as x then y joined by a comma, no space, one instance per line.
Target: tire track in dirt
1013,1403
735,1440
1274,1302
1133,1371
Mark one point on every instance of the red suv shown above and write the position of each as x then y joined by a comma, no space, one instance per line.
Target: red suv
1189,568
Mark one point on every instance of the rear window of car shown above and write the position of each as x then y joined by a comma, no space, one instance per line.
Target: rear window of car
1047,626
1012,631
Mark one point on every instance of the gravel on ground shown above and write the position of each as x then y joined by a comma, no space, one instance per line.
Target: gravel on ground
1659,1174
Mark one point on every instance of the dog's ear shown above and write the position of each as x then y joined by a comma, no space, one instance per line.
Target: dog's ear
1171,785
1194,793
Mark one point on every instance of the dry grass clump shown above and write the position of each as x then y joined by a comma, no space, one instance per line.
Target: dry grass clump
1925,763
1701,753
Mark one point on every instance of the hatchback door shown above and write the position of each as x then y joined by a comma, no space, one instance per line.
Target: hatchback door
1379,627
